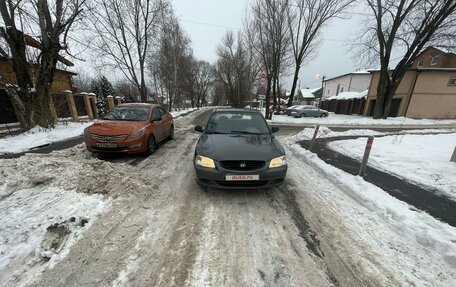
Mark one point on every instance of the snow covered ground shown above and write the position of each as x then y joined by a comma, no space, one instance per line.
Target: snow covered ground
181,112
350,120
40,224
422,159
417,248
38,136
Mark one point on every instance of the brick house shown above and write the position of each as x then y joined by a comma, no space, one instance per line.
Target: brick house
428,89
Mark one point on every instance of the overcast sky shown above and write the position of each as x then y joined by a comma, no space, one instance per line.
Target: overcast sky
206,21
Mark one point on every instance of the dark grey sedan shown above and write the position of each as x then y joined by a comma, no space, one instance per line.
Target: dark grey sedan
238,150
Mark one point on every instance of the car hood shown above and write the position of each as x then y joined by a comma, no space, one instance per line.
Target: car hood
109,128
239,147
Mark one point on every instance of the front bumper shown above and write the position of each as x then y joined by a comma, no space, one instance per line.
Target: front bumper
268,177
124,146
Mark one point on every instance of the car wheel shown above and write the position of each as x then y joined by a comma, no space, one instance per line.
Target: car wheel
171,134
302,115
324,115
151,145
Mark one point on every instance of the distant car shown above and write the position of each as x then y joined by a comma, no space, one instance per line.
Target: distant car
237,150
130,128
290,109
309,111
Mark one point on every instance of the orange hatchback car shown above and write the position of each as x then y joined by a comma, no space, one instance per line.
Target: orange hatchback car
130,128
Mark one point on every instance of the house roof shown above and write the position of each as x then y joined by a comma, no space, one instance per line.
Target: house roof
309,93
348,96
360,72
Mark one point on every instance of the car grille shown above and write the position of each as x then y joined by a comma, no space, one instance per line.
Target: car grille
242,164
257,183
108,138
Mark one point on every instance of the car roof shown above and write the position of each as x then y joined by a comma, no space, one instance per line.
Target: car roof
138,105
236,110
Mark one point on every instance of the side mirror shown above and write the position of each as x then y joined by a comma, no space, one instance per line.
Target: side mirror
274,129
199,129
156,119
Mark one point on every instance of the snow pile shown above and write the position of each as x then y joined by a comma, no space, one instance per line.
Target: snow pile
422,159
39,136
353,120
38,227
72,169
181,112
48,201
416,247
324,132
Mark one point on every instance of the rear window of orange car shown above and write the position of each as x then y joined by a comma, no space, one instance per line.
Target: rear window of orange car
128,114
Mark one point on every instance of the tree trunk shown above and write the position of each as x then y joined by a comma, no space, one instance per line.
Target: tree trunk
293,87
381,94
268,92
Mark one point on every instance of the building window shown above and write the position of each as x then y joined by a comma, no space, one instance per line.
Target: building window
452,81
435,60
420,62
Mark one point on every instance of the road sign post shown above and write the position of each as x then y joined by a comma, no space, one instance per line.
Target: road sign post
367,151
314,138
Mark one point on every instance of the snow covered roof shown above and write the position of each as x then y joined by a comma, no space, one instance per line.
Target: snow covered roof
352,95
309,93
360,72
348,96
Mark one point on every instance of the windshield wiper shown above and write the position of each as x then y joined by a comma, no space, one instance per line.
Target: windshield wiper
246,133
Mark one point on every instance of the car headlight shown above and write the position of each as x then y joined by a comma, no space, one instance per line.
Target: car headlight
137,134
204,161
278,162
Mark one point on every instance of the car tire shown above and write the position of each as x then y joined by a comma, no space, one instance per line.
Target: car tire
151,145
324,115
302,115
171,134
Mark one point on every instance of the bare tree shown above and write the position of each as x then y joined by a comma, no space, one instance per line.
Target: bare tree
174,57
405,26
235,70
203,77
306,20
125,32
268,35
53,24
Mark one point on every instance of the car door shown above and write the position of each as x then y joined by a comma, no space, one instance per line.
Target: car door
157,118
166,122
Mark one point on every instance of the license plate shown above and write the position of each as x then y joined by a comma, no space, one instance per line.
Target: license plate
242,177
107,145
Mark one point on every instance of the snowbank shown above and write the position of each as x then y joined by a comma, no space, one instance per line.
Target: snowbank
354,120
38,227
39,136
48,201
181,112
325,132
422,159
417,248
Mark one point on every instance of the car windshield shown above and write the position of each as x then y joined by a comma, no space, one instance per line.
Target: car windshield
128,114
237,123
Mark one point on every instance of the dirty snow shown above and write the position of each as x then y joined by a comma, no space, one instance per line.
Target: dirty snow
421,159
48,201
27,236
181,112
39,136
352,120
415,247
